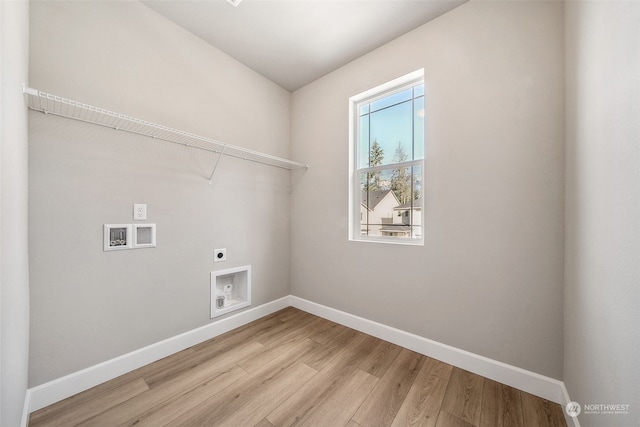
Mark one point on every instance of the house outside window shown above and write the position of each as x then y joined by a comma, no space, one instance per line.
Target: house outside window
387,162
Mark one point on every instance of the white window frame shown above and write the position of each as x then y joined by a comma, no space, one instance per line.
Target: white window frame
381,91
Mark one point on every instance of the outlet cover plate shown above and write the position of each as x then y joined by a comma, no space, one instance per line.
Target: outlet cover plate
139,212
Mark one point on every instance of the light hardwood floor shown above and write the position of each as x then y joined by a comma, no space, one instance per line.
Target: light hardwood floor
293,368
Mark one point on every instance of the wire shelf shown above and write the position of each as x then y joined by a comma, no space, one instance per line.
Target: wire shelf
59,106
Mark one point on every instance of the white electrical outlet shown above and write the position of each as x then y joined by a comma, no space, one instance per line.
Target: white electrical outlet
219,255
139,212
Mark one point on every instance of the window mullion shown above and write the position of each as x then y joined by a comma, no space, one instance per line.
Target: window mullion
390,166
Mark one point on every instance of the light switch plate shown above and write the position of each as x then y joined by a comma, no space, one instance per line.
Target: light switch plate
139,212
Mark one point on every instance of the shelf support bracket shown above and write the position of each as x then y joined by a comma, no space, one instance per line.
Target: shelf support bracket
216,166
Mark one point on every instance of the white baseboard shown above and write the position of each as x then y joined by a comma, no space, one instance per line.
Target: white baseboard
531,382
536,384
25,410
571,421
61,388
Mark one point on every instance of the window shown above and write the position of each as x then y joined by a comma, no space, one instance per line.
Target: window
387,161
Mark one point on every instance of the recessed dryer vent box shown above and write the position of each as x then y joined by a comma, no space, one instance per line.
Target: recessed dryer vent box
144,235
226,298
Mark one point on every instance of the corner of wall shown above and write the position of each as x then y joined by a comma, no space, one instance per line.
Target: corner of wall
14,287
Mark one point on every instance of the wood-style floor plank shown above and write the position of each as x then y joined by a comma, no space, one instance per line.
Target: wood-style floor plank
421,406
218,346
325,353
291,368
224,358
93,406
47,415
167,411
221,370
501,406
283,331
287,314
302,330
326,331
382,405
220,406
264,402
445,419
243,333
256,361
436,367
338,409
464,396
380,358
539,412
318,389
163,365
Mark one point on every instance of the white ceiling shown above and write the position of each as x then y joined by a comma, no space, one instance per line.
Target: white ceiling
294,42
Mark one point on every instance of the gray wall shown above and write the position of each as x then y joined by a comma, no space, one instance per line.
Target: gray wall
14,266
489,278
89,306
602,295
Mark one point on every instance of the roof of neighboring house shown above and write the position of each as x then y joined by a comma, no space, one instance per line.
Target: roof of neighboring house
375,197
417,204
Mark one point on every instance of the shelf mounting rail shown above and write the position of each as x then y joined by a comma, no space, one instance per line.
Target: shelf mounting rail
59,106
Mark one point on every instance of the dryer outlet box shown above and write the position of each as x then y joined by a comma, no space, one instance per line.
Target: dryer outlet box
219,255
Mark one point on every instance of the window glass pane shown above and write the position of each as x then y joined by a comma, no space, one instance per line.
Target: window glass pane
392,129
391,203
376,202
418,90
406,185
364,109
363,134
418,128
402,185
396,98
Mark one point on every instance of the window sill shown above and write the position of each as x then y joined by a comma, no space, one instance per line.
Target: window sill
416,242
